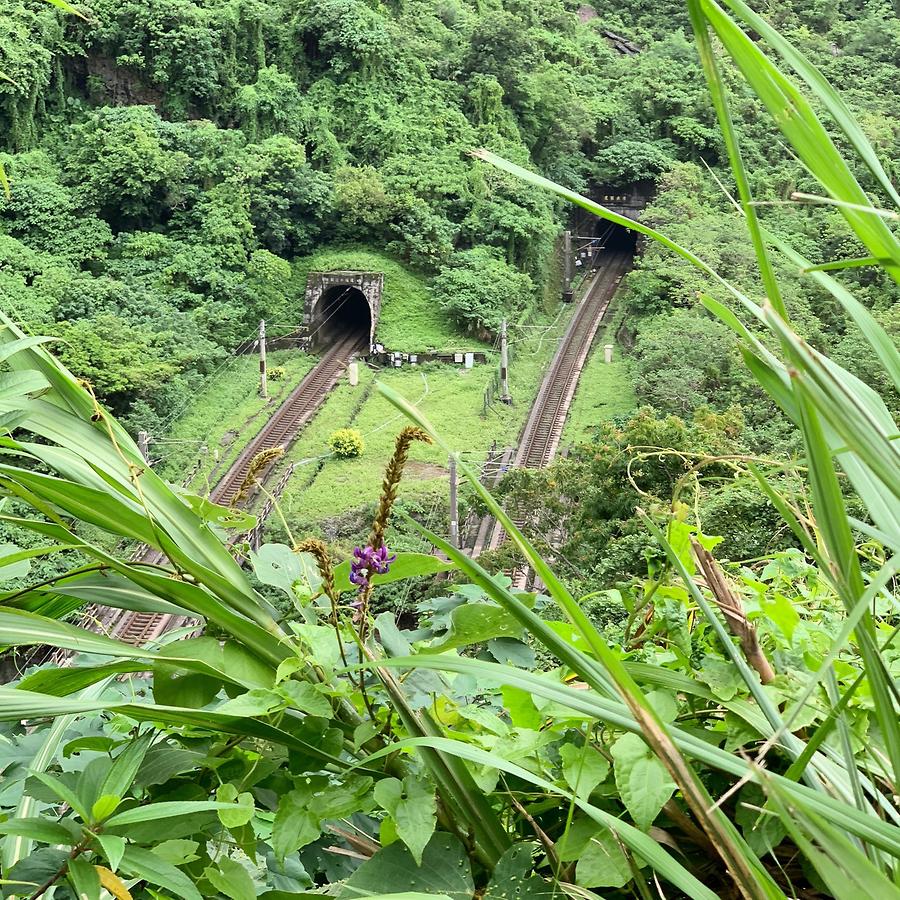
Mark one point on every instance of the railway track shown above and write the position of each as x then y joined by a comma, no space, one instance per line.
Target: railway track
280,430
543,430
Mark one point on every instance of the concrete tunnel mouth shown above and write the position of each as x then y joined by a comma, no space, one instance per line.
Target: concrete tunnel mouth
342,311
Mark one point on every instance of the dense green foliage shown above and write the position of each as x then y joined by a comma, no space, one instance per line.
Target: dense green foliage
703,729
683,362
168,159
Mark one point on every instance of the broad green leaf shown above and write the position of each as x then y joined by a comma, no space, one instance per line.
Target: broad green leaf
279,566
514,878
17,704
295,826
258,702
520,706
113,847
145,864
12,564
104,806
62,682
65,793
23,629
38,829
177,852
642,780
14,384
476,623
603,864
84,878
230,878
125,766
228,517
445,869
112,589
18,847
724,680
412,806
163,810
583,768
242,812
303,696
34,870
8,350
68,8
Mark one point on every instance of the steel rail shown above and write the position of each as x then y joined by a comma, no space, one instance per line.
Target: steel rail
280,430
543,430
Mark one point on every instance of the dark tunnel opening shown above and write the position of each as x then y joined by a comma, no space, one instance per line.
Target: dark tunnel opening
616,238
343,311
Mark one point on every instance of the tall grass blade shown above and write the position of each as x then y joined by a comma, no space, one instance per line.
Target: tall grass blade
831,516
822,89
806,134
726,126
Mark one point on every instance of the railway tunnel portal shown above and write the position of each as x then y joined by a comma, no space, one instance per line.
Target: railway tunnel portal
341,304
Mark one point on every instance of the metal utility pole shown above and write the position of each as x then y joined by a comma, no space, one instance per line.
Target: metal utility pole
263,377
504,366
567,267
454,504
143,442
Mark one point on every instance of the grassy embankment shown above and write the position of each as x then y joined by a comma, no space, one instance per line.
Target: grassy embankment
225,416
229,412
449,395
410,320
605,390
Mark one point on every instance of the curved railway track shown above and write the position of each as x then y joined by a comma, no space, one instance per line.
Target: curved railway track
280,430
544,428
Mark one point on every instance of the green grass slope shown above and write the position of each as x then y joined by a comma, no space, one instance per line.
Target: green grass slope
225,416
410,320
452,397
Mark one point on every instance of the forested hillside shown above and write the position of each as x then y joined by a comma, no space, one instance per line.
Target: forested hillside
175,168
171,159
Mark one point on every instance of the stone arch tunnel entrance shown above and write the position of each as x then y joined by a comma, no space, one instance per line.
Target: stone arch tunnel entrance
342,304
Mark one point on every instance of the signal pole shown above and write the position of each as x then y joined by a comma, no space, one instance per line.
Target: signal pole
567,266
504,366
263,378
143,443
454,504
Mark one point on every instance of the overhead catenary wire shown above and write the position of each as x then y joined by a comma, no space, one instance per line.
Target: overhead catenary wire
208,381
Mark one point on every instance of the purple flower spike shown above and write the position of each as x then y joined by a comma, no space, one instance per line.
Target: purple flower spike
367,562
